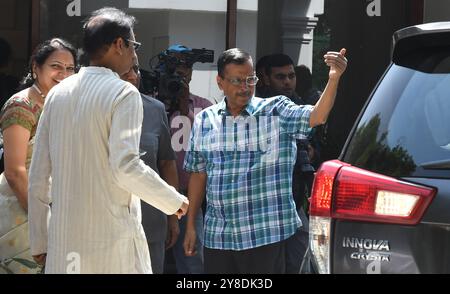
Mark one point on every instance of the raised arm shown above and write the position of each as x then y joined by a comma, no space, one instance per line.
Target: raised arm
338,64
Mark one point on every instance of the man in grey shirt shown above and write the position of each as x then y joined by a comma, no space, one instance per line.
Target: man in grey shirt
156,151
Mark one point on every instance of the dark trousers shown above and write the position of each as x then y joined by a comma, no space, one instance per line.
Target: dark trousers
297,245
268,259
301,187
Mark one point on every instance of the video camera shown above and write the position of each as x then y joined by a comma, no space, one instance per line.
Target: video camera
162,81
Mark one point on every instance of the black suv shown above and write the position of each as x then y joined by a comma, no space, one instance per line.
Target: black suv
384,206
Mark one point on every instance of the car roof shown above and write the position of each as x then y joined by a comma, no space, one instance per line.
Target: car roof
411,39
428,28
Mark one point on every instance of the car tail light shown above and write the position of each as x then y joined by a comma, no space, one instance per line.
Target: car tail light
323,188
341,191
320,213
395,204
366,196
319,240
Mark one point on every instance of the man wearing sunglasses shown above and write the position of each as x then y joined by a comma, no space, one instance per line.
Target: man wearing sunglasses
241,156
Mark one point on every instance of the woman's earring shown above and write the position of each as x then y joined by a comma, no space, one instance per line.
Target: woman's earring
34,76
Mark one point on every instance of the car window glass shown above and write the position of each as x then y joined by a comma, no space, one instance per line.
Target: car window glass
404,125
437,110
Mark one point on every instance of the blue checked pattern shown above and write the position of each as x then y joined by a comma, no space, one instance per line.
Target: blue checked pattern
249,162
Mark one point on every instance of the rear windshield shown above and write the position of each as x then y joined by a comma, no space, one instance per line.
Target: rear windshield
406,125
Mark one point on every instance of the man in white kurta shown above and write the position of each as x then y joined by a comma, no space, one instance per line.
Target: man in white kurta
88,143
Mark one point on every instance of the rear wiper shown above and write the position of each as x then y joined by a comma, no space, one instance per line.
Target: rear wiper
441,164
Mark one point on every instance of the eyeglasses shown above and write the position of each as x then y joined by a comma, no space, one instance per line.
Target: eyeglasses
249,81
135,68
136,45
62,68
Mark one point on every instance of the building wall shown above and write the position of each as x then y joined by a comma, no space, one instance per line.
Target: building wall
287,26
436,10
247,31
56,20
192,5
152,30
298,21
14,28
269,28
368,39
200,29
196,23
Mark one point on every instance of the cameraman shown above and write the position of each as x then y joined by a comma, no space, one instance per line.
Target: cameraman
182,114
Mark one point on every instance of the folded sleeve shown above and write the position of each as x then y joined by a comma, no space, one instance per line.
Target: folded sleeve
294,119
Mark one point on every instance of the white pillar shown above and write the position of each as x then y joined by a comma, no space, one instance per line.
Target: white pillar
298,20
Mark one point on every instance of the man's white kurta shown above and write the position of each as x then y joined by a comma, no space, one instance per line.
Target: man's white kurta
88,142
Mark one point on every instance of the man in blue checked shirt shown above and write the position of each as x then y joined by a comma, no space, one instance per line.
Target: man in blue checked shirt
241,155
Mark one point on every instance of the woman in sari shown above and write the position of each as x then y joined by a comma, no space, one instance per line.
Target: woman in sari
51,62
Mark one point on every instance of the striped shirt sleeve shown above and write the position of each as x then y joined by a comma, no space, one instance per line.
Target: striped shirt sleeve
294,119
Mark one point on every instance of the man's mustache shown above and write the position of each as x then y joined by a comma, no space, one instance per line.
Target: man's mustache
244,94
